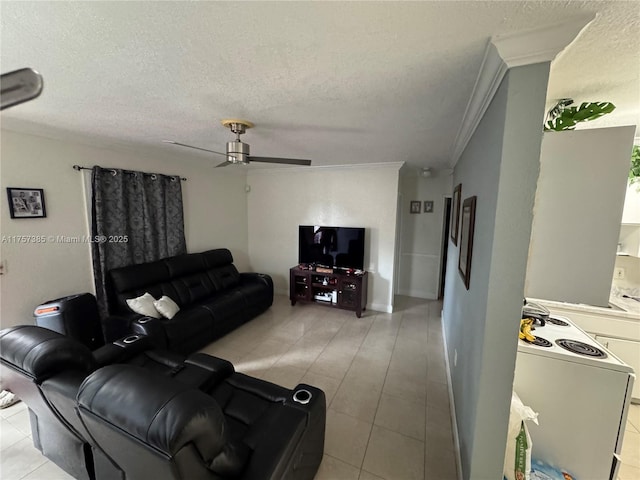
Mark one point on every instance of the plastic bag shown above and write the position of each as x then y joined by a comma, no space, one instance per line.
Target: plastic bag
543,471
517,459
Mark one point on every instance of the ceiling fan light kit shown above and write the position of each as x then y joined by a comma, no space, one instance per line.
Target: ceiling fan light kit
238,152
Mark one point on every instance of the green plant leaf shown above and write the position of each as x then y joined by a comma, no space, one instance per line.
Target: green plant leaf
634,171
590,111
562,117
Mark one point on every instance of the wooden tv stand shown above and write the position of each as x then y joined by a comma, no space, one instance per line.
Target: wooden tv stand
338,289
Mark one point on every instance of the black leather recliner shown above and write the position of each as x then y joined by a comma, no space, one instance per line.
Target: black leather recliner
167,430
214,298
159,415
45,370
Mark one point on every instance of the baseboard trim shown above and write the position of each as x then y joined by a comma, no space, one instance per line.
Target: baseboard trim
452,406
418,294
381,307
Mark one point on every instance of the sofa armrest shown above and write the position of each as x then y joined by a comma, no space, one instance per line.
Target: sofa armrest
118,326
311,448
152,328
122,349
204,371
256,277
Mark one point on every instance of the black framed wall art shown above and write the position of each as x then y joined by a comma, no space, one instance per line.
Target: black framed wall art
455,213
26,202
467,225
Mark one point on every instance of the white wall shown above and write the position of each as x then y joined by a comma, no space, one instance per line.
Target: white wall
214,209
500,167
421,234
631,211
577,214
629,238
365,196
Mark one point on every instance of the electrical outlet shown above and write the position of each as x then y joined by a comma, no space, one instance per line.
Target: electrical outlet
618,273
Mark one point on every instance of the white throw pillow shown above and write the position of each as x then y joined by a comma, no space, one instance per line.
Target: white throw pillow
144,305
167,307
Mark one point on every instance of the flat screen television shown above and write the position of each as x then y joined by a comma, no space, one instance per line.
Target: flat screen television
339,247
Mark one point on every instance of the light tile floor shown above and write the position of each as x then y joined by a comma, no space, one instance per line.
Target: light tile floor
384,376
630,468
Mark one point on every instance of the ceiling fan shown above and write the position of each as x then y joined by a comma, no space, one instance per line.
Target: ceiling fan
238,151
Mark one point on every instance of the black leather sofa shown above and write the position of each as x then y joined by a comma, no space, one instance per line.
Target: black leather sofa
127,411
213,299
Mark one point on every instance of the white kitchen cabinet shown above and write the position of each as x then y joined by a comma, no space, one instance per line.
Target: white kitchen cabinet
629,352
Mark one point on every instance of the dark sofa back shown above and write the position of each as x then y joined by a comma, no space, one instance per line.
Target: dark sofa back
185,279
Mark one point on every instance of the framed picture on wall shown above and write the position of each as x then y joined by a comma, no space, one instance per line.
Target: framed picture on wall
26,203
415,206
428,206
468,214
455,213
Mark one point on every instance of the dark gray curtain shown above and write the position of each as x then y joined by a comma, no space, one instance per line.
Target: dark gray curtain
137,218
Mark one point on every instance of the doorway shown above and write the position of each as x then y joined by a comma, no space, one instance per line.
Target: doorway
446,221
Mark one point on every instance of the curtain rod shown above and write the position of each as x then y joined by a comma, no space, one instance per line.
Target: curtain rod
77,168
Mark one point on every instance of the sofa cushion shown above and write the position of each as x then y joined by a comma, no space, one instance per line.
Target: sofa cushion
224,277
226,307
136,277
192,288
256,415
166,307
217,257
186,264
195,321
144,305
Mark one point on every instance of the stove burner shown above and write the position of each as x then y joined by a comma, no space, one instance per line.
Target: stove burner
557,321
541,342
581,348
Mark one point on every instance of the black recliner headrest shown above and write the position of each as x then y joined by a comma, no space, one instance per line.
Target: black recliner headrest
41,353
217,257
161,413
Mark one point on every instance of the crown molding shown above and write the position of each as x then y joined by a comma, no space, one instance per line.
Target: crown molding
543,44
395,166
539,45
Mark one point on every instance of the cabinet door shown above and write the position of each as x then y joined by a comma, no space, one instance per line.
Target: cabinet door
629,352
300,288
349,293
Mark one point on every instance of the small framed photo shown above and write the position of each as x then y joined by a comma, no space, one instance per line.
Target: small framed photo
467,228
26,203
415,207
428,206
455,213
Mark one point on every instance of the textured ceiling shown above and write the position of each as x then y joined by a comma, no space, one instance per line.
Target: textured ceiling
336,82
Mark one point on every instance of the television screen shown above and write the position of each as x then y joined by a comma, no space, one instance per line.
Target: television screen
340,247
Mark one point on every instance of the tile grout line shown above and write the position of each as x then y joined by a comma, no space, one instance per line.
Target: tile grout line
373,423
351,363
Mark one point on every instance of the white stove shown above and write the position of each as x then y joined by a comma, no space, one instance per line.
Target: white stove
582,399
560,328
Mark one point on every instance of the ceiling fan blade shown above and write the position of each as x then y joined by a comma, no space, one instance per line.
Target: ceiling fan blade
191,146
224,164
287,161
